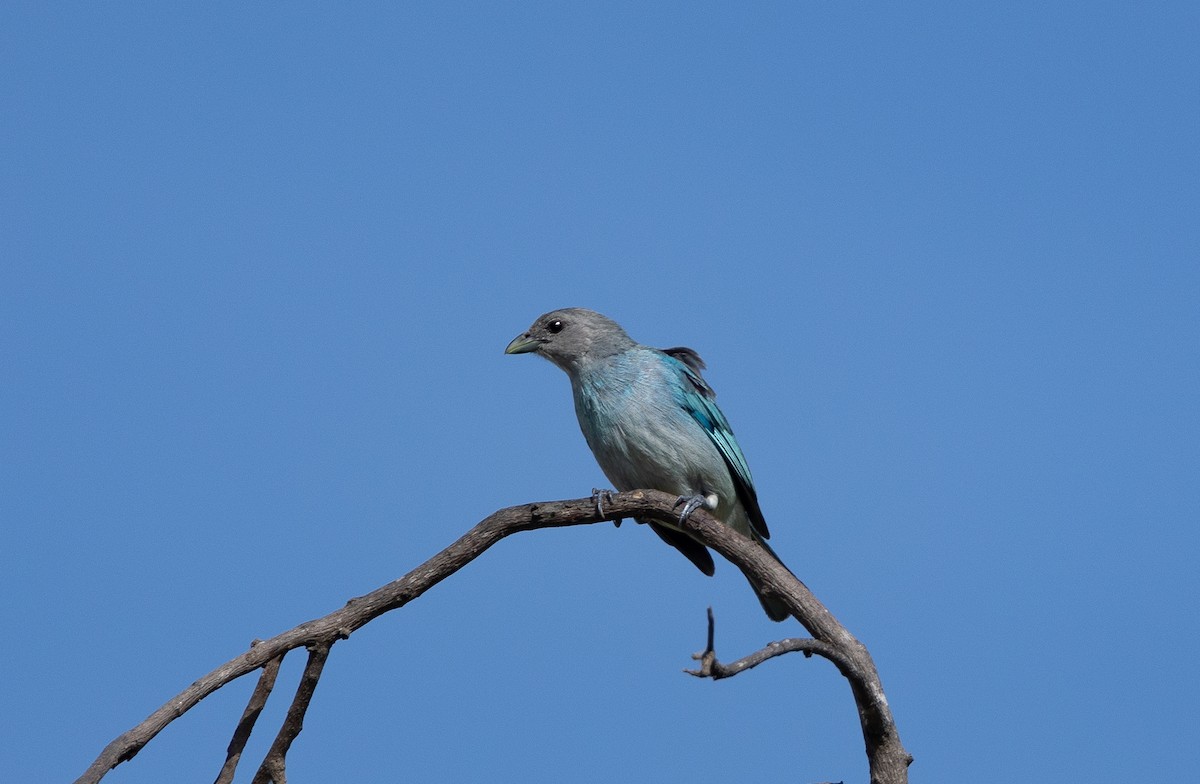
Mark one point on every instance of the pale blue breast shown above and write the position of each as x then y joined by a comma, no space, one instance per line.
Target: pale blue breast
629,413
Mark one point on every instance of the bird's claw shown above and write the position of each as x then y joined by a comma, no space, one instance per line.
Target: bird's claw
599,496
690,504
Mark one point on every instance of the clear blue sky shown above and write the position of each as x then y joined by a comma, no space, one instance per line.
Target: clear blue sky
259,266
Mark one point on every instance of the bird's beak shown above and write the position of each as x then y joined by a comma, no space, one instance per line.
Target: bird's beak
523,344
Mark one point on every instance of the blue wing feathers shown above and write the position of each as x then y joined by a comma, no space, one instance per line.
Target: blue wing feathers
698,399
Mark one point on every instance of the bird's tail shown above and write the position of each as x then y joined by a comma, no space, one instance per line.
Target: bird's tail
775,608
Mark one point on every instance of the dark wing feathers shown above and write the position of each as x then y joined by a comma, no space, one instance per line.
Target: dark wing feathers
699,401
691,549
688,357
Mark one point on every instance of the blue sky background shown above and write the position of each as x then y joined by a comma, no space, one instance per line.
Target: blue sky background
259,265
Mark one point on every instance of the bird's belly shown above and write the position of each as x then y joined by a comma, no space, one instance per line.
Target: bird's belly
673,456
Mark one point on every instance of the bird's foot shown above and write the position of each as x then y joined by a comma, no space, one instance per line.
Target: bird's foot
599,496
693,502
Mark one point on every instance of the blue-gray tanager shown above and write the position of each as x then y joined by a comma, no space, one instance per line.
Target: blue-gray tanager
652,423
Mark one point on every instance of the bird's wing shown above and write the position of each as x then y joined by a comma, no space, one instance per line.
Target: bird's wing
698,399
689,357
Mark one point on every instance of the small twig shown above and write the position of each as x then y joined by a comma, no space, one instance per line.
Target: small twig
711,668
274,764
258,699
712,628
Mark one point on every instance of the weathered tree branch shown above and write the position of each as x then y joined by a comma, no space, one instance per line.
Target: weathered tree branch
887,758
273,765
711,668
886,755
258,700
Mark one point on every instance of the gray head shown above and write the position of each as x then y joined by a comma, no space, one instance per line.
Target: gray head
567,336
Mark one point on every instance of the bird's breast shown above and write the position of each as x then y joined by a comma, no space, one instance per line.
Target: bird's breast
642,438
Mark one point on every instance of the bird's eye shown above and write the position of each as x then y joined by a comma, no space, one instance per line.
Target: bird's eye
555,326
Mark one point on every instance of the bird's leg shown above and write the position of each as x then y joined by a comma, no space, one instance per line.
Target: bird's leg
693,502
599,497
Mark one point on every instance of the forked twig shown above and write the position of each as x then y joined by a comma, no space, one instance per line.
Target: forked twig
258,700
274,764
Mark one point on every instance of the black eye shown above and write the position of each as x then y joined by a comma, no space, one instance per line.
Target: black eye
555,326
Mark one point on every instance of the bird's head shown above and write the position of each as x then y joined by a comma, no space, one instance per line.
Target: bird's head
568,336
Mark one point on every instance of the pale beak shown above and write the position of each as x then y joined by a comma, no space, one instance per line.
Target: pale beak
523,344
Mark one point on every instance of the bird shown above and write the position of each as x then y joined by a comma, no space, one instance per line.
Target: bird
652,422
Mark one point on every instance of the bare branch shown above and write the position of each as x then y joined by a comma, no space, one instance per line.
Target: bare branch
887,757
360,611
273,765
710,667
258,700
